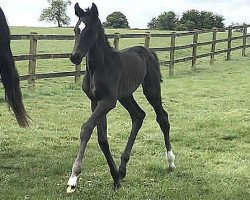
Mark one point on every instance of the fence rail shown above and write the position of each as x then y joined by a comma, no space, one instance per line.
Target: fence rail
34,38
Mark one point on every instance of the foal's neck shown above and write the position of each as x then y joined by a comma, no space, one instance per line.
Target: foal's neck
100,51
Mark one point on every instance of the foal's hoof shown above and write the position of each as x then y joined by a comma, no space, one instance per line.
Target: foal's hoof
71,189
122,173
71,184
117,186
171,167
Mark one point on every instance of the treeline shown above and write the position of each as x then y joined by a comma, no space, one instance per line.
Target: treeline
190,20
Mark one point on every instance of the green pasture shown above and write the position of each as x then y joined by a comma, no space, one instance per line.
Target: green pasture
209,113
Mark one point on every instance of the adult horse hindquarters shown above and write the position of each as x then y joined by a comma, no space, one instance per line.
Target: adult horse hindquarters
9,74
110,76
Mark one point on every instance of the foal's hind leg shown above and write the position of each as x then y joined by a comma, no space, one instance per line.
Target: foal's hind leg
153,95
137,115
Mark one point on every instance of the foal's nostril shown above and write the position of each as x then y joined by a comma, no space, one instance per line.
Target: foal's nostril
75,58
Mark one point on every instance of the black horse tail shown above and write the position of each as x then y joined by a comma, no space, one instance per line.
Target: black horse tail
9,75
13,95
157,64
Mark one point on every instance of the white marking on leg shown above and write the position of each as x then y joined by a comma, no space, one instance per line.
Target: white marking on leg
72,184
72,181
170,158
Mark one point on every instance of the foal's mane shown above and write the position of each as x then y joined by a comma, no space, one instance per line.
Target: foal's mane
100,28
102,31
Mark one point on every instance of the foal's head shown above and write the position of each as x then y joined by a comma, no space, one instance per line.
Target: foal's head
86,32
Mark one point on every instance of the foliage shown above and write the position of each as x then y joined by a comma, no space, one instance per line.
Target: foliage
191,19
190,25
218,21
181,27
56,12
116,20
191,15
165,21
153,23
202,20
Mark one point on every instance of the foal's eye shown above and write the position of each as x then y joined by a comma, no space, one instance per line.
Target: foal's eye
81,26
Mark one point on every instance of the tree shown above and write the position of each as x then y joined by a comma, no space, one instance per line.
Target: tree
193,16
153,23
190,26
116,20
181,27
206,20
56,12
219,21
190,20
165,21
201,20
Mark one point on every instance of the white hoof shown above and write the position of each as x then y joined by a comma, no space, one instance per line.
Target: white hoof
71,189
172,167
170,158
72,184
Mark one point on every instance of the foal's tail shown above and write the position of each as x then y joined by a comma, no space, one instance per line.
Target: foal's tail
13,94
9,75
156,64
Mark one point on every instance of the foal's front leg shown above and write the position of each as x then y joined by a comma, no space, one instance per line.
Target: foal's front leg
103,142
104,145
102,108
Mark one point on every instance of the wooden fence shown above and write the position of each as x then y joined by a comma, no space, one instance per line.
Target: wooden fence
33,56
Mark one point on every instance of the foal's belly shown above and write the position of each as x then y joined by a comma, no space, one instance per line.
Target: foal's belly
131,78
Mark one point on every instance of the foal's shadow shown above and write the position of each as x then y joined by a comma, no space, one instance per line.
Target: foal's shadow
158,170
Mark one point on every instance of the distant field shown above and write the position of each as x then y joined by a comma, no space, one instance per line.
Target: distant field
210,132
69,30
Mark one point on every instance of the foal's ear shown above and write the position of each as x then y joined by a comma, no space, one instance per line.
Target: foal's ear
94,10
78,11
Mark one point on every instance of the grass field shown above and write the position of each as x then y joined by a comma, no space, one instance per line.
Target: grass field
210,126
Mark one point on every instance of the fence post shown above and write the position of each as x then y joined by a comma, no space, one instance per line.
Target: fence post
194,52
213,46
229,43
116,41
147,39
32,62
78,75
172,51
244,40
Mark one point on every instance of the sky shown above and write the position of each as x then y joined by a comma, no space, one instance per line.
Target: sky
138,12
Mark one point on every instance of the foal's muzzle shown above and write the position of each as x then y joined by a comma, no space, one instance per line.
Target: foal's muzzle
76,58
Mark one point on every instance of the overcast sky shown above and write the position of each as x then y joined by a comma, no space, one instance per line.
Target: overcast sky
138,12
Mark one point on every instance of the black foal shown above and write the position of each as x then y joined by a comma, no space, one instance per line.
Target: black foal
110,76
